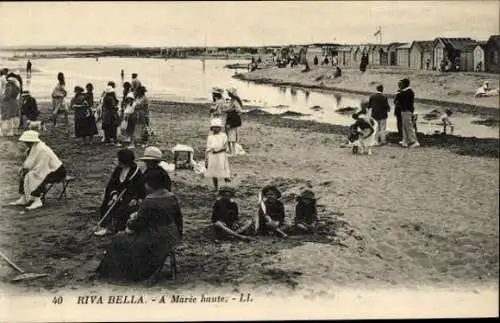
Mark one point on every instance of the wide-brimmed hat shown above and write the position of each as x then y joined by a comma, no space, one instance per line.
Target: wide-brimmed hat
232,91
130,95
271,189
227,189
307,194
29,136
25,92
152,153
216,123
217,90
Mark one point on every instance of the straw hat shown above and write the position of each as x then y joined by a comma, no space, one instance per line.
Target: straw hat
130,95
216,123
217,90
29,136
232,91
152,153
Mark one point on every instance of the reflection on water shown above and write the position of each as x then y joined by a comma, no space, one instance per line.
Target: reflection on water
187,80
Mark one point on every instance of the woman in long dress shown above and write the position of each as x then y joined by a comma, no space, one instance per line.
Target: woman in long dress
85,127
140,117
216,154
110,117
10,105
58,95
233,119
150,236
123,184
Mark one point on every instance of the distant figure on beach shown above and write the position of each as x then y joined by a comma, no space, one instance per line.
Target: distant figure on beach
446,121
364,63
135,84
41,167
85,126
315,60
122,75
28,68
338,72
225,217
128,119
404,102
58,95
29,109
140,118
379,105
233,119
217,109
126,89
427,63
110,118
10,105
271,213
216,159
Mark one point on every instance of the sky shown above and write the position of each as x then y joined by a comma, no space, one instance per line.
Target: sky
239,23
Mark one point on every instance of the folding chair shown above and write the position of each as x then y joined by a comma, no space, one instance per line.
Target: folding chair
64,183
173,269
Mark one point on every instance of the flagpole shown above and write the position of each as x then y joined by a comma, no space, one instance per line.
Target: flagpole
380,37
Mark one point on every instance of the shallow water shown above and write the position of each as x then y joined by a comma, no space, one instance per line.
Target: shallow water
191,80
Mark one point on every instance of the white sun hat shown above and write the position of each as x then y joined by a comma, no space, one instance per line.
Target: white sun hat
152,153
216,123
232,91
29,136
130,95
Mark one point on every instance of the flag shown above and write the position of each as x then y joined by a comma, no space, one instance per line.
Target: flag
377,32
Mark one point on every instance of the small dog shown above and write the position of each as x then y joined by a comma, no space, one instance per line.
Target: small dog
36,125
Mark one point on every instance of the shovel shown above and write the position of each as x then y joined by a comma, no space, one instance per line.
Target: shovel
22,274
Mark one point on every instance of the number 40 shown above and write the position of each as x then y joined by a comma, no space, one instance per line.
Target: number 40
57,300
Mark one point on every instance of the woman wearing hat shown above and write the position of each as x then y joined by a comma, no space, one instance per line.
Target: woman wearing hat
233,119
129,119
216,155
306,215
41,167
110,118
152,158
85,127
225,217
271,214
218,105
58,95
140,117
122,185
10,105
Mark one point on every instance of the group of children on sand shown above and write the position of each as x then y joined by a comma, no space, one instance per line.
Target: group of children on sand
270,216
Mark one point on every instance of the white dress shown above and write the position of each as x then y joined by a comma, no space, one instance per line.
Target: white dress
218,164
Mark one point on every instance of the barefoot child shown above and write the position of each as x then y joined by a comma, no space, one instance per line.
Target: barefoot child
271,214
225,217
306,215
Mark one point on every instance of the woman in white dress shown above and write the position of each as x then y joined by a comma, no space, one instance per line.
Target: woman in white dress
216,154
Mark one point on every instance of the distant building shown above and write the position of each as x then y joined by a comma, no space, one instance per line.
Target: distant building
345,55
313,51
492,53
403,55
377,55
452,49
391,53
478,56
421,55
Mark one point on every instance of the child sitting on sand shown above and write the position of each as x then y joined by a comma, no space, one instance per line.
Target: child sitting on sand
365,127
271,215
445,121
306,215
225,217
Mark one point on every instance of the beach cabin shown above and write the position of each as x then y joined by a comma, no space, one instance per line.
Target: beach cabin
492,54
391,53
421,55
452,49
478,56
378,55
344,55
373,55
467,58
313,51
403,55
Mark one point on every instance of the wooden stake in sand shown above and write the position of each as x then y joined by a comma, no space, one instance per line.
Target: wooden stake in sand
22,274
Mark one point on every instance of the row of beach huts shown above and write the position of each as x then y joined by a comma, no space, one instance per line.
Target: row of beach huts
465,54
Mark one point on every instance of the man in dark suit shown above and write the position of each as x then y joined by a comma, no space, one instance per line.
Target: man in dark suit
379,106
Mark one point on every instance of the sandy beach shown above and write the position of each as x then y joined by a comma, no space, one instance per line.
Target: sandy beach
398,218
453,90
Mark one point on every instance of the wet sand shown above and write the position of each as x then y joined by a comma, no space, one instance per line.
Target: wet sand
453,90
399,218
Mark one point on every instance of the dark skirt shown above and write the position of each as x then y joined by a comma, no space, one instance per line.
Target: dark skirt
135,257
85,127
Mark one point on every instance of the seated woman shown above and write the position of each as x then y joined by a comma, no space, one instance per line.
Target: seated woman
306,215
123,185
40,168
152,159
271,215
151,235
225,217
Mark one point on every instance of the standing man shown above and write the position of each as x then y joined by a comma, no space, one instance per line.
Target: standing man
28,68
135,83
379,106
122,74
404,103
